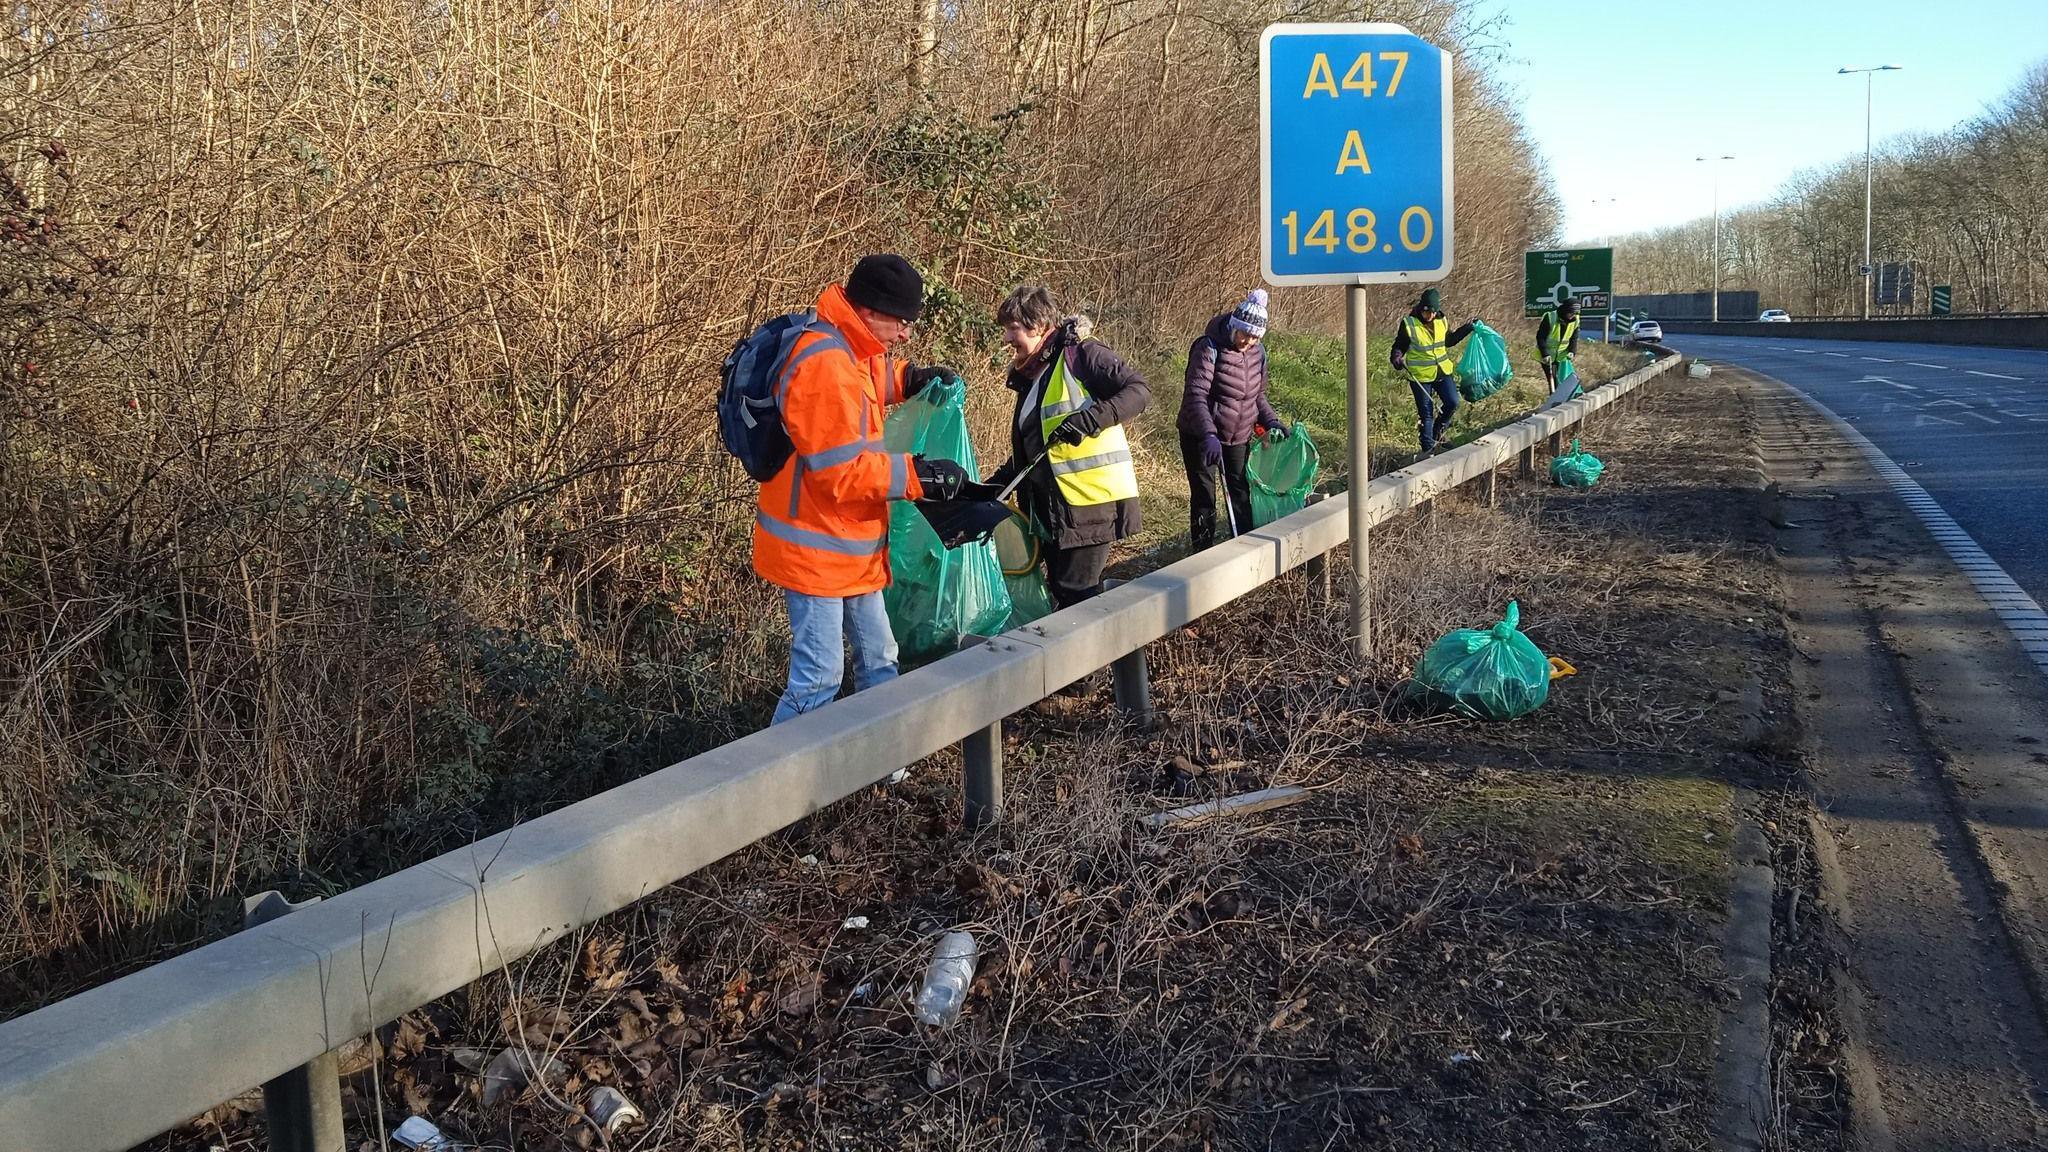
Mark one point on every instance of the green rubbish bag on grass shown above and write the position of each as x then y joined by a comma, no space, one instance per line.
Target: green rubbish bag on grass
1488,674
1483,366
1281,472
1576,469
937,595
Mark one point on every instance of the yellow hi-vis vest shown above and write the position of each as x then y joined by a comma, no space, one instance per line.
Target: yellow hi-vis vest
1559,339
1427,357
1098,470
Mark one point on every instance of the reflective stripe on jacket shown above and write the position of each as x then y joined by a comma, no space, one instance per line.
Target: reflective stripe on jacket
821,526
1427,356
1555,339
1098,470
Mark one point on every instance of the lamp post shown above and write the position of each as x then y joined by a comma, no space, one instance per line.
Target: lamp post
1606,240
1717,230
1868,74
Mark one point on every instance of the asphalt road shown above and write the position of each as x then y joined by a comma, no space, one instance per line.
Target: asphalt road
1969,423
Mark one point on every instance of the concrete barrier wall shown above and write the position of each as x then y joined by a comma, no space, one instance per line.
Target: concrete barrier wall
113,1066
1994,332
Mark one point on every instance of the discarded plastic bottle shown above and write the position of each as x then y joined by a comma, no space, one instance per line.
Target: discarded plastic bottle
946,979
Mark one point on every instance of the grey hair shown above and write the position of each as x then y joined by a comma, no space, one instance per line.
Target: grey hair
1031,305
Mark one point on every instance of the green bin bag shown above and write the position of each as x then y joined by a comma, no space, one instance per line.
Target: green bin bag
1576,469
1017,548
1488,674
1483,366
937,595
1281,472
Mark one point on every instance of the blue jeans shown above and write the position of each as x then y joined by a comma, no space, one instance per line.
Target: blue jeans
817,663
1433,424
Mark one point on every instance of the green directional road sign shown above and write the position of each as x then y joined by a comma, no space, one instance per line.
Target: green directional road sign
1939,297
1584,274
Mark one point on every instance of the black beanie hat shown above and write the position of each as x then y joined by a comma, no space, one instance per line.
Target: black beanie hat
887,284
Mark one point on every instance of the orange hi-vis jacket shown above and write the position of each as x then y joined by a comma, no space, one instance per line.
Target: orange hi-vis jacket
822,525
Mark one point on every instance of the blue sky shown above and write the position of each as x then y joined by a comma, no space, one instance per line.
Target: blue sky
1622,102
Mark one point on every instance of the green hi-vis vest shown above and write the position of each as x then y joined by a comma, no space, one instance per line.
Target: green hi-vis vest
1427,356
1559,339
1098,470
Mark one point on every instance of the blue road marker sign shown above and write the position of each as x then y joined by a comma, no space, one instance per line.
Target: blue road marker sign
1354,155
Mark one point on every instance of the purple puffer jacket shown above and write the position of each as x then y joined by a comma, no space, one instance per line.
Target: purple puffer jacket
1225,395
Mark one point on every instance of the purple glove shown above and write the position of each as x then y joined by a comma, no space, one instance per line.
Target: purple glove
1212,451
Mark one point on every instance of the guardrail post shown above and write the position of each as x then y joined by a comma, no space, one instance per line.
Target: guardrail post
1556,444
981,775
1526,467
302,1108
1493,487
1318,566
1130,679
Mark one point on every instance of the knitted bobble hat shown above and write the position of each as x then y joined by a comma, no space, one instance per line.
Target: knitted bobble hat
1250,316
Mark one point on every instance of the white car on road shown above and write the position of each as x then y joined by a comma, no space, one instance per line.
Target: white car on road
1646,332
1775,316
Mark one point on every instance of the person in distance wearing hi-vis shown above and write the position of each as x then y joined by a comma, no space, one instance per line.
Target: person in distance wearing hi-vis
1557,340
1423,351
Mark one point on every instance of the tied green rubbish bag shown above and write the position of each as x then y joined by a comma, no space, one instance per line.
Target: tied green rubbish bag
1576,469
1490,674
936,595
1483,366
1281,472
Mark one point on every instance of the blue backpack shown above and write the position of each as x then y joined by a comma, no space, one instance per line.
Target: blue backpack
751,384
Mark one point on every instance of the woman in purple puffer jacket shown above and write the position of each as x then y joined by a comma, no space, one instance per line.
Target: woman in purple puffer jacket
1220,411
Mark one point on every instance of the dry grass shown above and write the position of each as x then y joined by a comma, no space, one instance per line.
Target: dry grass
357,492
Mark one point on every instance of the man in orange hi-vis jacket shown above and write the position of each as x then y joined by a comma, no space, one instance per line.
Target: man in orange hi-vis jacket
821,529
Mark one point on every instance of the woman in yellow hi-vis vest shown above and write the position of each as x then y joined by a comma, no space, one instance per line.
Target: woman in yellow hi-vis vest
1073,397
1422,349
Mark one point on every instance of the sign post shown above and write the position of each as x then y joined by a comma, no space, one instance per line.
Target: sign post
1354,189
1582,274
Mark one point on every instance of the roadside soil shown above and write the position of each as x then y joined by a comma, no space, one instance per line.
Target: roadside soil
1473,935
1924,737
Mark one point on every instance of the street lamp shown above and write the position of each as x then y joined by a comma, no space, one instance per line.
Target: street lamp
1717,230
1867,77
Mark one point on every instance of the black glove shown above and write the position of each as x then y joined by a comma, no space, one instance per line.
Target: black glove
1076,428
916,380
1278,431
942,479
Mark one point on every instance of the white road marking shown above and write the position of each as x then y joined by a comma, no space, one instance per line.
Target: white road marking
1917,364
1843,355
2020,613
1879,360
1807,351
1923,419
1993,375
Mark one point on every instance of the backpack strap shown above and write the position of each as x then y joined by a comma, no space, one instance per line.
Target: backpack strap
786,365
